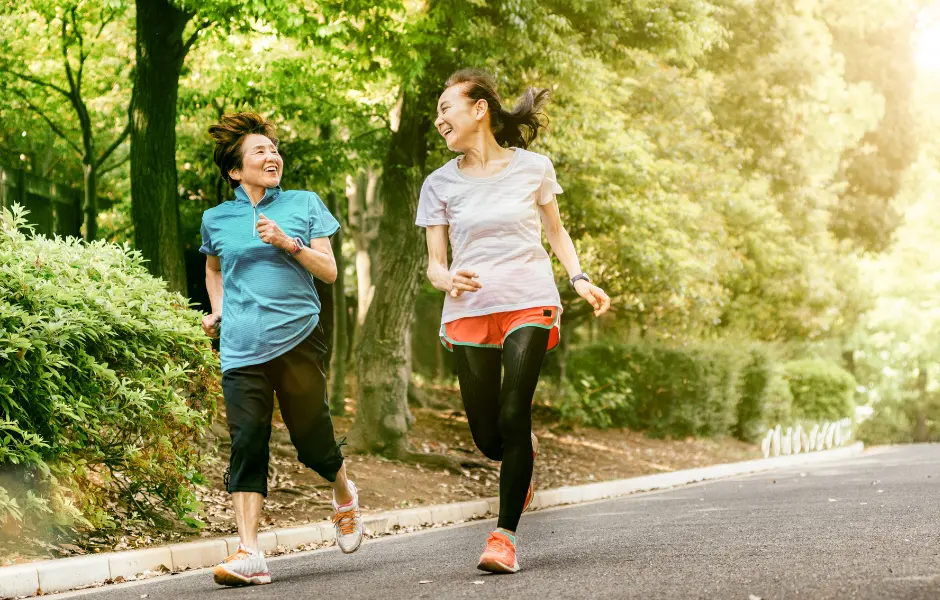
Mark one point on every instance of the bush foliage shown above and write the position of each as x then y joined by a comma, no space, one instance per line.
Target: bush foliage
821,390
672,392
106,385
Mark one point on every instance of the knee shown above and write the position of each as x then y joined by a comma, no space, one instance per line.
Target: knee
515,422
250,439
323,455
491,447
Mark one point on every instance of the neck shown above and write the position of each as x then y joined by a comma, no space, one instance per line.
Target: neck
255,193
484,150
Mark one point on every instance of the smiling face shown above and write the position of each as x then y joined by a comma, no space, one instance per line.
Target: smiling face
460,117
262,165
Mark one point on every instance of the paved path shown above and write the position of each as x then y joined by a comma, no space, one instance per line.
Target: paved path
867,527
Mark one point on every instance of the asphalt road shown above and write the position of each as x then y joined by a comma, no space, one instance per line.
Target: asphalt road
867,527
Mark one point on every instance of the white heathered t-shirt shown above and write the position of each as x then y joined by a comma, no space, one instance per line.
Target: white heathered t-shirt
495,231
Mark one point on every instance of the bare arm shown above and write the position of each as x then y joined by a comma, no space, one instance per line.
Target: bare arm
564,249
214,287
441,278
318,259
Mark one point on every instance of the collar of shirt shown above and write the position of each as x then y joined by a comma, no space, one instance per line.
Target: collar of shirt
270,193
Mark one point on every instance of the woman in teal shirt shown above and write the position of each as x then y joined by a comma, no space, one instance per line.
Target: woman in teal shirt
263,250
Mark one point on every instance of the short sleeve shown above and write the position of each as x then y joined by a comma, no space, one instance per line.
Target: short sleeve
207,247
550,185
321,223
432,210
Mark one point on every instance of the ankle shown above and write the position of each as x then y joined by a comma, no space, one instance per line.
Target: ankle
343,495
509,534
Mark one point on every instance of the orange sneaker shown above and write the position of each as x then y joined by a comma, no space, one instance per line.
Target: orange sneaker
499,555
531,493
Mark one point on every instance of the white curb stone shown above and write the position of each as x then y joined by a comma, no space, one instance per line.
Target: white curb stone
69,573
475,509
267,542
195,555
298,536
19,580
63,575
133,563
327,531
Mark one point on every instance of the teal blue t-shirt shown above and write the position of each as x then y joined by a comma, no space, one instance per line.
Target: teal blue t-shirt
269,302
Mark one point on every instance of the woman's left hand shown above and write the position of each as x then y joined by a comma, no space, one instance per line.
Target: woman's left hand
272,234
594,295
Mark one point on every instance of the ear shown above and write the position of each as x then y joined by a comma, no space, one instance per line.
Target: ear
480,108
235,174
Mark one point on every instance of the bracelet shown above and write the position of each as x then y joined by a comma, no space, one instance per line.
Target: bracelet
579,277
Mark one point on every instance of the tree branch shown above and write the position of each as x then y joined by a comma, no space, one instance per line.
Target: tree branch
113,166
192,39
114,145
65,60
35,80
48,121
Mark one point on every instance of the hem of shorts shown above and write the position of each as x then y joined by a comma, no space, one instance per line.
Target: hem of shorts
504,308
276,353
247,490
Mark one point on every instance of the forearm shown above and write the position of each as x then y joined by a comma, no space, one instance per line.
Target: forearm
439,276
321,265
214,287
564,249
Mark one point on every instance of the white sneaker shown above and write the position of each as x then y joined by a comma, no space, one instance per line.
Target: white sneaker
245,567
348,523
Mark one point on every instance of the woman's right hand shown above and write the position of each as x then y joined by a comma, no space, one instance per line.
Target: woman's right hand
210,324
463,280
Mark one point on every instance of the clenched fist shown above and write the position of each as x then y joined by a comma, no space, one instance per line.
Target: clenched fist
271,233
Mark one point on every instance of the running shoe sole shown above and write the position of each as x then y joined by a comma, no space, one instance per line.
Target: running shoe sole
225,577
493,565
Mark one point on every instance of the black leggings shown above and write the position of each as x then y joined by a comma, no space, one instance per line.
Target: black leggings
500,413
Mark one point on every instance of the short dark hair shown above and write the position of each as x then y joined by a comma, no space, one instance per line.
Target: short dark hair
230,132
517,127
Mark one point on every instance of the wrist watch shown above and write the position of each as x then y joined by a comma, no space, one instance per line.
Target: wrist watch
579,277
298,246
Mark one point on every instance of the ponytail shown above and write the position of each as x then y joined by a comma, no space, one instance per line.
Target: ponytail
518,127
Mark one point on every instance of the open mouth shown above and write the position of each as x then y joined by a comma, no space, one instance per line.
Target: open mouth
271,169
446,131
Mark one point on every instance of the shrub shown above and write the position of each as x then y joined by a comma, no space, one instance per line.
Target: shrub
106,385
766,399
821,390
665,391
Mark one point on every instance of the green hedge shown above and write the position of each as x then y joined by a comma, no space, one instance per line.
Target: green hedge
821,390
106,385
765,398
665,391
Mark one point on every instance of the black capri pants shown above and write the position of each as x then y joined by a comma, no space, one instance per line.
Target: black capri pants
298,377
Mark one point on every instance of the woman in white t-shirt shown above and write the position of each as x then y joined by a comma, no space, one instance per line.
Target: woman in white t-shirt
502,309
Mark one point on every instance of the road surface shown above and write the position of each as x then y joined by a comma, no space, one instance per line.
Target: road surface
866,527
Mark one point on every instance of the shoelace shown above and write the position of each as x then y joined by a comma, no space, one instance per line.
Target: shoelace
346,521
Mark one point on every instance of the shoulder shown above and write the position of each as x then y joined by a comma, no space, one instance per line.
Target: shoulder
442,176
211,214
534,158
300,196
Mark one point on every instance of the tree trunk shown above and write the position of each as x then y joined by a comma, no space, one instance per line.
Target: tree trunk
382,363
90,201
340,333
921,430
155,199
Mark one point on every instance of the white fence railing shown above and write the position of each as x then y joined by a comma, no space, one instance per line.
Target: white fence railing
826,436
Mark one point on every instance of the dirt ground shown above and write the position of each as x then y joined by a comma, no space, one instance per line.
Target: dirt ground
298,495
